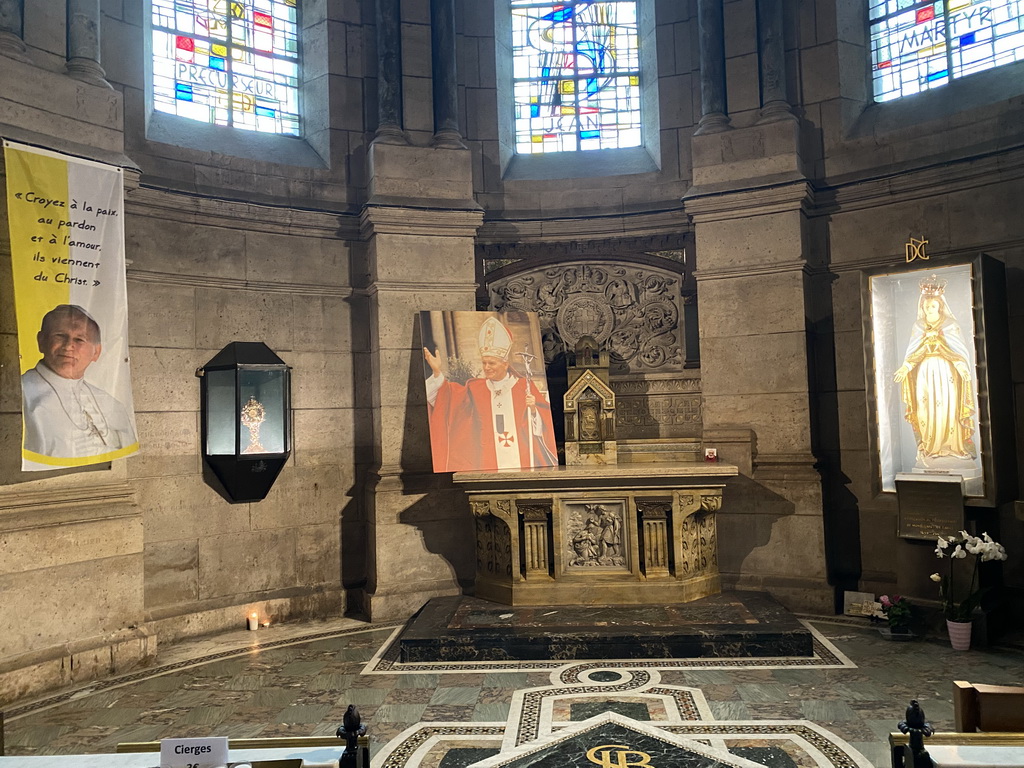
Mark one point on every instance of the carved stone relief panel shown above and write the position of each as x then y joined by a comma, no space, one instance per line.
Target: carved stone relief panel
595,535
690,534
502,548
493,547
635,310
709,541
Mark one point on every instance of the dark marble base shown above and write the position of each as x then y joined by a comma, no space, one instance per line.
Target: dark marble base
730,625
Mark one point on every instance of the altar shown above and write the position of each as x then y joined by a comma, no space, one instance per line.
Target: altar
618,534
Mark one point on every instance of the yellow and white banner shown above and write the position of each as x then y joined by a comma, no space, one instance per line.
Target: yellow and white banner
67,251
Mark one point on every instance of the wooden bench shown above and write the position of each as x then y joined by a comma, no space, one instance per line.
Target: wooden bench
983,715
899,743
987,708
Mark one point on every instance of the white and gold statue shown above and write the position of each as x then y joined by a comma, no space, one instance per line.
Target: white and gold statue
935,379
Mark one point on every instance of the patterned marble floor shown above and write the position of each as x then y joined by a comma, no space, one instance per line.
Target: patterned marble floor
832,711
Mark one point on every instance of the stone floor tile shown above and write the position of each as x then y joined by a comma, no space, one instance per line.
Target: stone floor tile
461,695
361,697
303,713
406,713
491,712
828,711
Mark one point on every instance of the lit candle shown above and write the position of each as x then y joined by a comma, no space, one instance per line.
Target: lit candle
254,621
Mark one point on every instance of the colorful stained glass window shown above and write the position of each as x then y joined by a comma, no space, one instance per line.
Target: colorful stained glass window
576,75
916,46
228,62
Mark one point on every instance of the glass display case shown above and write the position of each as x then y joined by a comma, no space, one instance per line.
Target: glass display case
246,418
935,377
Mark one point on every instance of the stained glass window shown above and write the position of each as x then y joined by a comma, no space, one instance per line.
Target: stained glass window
576,75
228,62
916,46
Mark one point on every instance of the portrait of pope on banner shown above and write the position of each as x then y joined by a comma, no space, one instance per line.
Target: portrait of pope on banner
486,391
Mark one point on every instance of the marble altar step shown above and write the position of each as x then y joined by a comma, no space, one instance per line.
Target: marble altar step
730,625
655,451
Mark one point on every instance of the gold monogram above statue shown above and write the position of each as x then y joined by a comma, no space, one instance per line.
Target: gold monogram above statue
915,249
253,415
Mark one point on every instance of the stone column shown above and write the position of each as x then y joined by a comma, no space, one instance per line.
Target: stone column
759,274
12,27
83,53
772,54
419,256
714,113
389,72
443,70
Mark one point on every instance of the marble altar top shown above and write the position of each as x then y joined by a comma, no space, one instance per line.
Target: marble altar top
685,473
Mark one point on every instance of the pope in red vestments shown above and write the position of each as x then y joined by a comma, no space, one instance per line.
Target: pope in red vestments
499,421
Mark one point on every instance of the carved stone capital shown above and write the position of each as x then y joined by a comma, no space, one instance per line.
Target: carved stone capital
534,513
711,503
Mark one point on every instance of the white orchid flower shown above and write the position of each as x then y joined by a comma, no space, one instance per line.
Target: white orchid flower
959,553
935,577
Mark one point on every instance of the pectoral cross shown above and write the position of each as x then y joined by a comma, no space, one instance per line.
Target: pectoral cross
93,429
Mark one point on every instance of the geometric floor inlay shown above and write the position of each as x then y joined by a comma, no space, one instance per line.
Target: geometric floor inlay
585,708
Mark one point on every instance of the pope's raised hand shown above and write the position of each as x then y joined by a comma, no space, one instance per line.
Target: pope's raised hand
432,360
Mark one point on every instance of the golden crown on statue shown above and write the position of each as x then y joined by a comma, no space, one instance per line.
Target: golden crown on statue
932,286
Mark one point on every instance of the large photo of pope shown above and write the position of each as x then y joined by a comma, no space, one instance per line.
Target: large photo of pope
487,393
67,416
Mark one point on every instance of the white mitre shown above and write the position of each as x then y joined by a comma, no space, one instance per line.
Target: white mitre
494,339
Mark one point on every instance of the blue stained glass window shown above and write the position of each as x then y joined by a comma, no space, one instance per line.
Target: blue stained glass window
917,46
576,75
228,62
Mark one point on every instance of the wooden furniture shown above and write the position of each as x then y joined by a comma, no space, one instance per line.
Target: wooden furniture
978,707
984,716
899,745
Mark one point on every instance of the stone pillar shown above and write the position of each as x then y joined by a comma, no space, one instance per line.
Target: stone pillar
536,526
389,72
445,80
419,256
772,55
12,28
714,112
760,262
83,53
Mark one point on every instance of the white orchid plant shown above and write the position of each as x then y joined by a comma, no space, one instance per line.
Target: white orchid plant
958,547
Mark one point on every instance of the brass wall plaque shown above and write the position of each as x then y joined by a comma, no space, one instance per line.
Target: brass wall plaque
930,505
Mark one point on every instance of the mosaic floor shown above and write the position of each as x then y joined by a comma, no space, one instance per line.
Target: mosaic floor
833,710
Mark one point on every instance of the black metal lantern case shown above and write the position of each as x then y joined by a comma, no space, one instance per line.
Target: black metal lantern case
246,419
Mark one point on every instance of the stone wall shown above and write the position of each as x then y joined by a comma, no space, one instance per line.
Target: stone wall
325,247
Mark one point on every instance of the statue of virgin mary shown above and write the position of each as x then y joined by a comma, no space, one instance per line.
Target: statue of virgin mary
935,379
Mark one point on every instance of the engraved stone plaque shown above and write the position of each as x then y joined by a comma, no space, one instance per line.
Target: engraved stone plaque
930,505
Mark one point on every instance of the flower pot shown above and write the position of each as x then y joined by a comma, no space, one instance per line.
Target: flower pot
959,634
